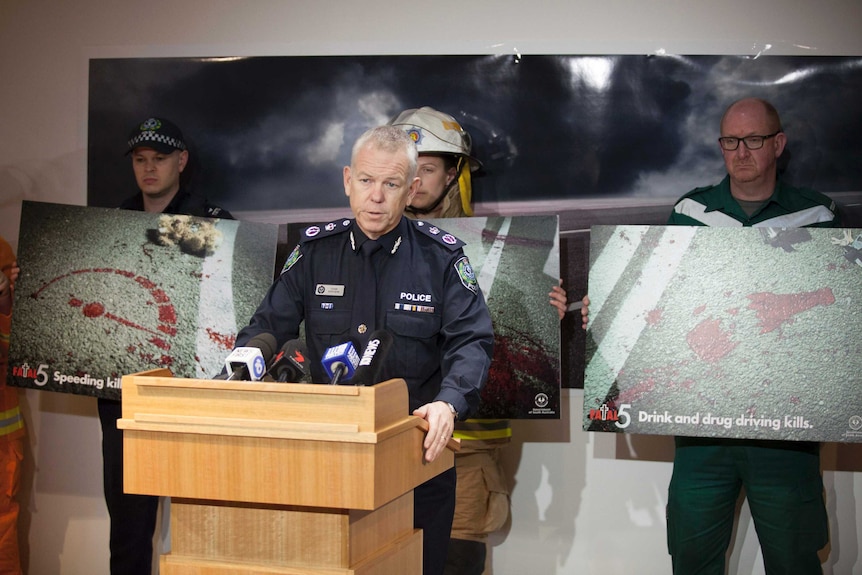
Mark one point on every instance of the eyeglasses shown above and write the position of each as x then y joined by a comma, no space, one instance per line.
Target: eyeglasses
751,142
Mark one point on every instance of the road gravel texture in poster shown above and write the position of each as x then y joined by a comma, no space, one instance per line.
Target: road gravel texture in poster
517,261
108,292
725,332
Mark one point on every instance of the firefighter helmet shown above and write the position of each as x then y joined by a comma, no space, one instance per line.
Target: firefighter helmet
436,133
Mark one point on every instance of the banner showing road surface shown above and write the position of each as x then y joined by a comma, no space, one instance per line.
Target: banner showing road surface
725,332
107,292
517,261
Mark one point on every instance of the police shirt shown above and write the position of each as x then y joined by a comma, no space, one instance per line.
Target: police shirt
183,203
427,297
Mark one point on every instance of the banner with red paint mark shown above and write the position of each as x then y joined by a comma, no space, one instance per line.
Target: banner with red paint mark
517,260
725,332
104,293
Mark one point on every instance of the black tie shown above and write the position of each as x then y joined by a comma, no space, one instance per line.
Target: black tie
365,304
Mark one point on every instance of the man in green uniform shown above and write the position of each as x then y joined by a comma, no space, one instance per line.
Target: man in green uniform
781,478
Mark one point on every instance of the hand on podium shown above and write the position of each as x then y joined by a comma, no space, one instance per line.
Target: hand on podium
441,422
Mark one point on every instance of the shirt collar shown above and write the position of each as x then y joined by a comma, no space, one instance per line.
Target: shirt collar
390,241
725,202
176,202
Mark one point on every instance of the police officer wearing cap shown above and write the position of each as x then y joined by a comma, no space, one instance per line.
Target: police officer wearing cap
159,160
381,270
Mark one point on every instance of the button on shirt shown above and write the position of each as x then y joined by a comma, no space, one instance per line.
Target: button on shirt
426,297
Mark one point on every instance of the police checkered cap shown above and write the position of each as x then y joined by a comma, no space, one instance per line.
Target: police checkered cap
157,133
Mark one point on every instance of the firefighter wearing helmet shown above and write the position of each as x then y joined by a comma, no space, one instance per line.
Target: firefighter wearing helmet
482,491
445,163
482,494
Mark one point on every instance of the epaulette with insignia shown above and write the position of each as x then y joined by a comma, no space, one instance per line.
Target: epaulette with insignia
325,230
438,234
213,211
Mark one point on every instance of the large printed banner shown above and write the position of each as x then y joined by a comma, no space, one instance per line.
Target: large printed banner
725,332
107,292
517,260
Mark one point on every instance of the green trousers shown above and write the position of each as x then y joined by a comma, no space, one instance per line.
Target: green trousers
784,489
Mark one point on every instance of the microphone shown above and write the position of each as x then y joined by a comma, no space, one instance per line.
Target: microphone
248,363
290,364
371,362
340,362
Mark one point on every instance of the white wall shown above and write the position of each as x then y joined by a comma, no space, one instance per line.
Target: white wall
583,503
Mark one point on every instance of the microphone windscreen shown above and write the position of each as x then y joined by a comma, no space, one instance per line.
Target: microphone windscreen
372,360
341,361
249,361
291,364
296,354
266,343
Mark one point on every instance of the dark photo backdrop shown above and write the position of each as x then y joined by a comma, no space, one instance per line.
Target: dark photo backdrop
594,139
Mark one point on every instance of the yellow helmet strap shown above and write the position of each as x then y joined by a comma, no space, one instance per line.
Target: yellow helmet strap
465,184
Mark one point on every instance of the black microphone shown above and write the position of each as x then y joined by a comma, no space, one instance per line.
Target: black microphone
340,362
248,363
290,365
371,362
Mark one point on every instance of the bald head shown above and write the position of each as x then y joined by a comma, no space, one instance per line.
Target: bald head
753,107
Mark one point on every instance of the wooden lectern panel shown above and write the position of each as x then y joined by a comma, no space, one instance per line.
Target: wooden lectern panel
310,445
290,479
328,538
401,557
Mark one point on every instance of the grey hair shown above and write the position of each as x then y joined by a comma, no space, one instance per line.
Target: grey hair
390,139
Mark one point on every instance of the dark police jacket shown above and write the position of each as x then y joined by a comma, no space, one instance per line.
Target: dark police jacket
183,203
427,297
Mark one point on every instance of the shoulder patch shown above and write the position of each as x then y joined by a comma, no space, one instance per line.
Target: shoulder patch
467,275
324,230
292,259
438,234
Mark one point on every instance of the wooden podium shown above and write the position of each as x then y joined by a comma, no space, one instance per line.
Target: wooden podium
273,478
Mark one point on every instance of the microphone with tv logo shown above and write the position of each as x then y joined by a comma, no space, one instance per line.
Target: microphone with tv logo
290,365
248,363
340,362
371,363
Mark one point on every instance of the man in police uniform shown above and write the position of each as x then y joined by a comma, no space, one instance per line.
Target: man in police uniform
781,478
160,157
381,270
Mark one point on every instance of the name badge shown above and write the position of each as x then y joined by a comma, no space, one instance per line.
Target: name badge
329,290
